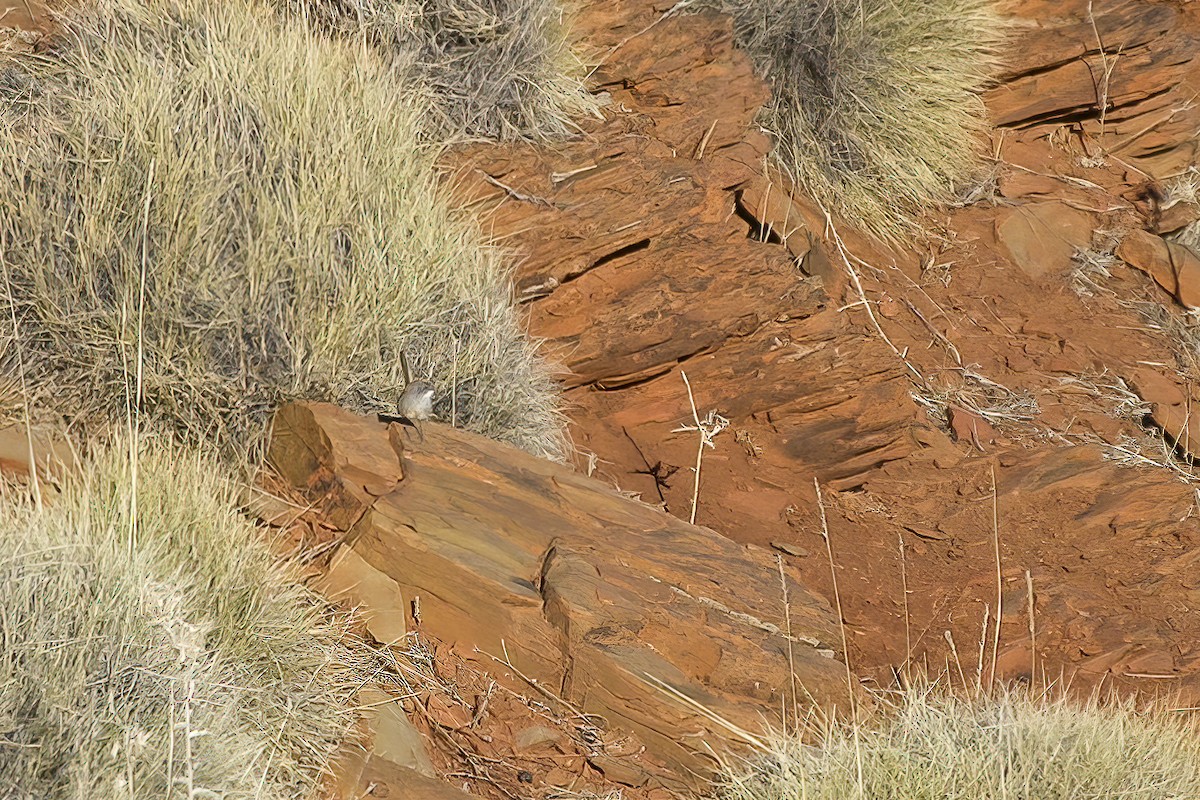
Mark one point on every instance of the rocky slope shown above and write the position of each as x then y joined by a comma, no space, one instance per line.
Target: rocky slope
1015,390
1010,349
613,610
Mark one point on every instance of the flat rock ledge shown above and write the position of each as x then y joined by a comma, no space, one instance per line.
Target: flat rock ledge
667,631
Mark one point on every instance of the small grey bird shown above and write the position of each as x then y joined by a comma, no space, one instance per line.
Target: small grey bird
416,404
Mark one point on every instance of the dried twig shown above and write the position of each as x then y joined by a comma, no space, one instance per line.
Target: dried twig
136,422
514,193
708,428
837,598
999,578
1106,80
1032,632
787,620
904,590
34,478
983,632
831,232
704,141
962,676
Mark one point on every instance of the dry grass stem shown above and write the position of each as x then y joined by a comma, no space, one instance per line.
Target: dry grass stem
999,578
962,676
983,637
1105,82
1032,628
904,593
852,696
787,620
34,476
707,430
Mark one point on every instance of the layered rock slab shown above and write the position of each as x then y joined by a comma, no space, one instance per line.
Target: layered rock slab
658,626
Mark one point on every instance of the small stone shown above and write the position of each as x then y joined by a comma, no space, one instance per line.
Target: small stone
1154,387
535,736
1177,216
1041,238
620,770
971,428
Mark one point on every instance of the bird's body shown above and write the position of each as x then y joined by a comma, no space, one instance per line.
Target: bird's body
416,404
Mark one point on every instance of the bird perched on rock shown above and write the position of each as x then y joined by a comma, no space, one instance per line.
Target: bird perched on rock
416,404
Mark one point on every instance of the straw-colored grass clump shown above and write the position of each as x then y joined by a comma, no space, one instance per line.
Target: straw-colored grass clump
499,69
153,647
1015,744
216,208
875,110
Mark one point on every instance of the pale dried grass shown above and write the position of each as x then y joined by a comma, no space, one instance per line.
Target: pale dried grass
153,647
876,108
207,210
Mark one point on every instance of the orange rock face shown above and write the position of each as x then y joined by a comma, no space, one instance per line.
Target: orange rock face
617,607
1010,344
1022,384
1173,266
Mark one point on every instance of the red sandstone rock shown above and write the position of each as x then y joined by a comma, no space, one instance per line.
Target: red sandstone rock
789,354
1173,266
615,605
1042,238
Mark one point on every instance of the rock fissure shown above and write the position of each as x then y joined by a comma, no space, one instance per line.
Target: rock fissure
595,614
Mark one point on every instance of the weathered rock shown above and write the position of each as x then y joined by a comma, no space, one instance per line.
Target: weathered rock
1041,238
983,316
346,467
971,428
1172,408
387,753
1173,266
1021,183
51,454
379,778
23,24
536,736
620,771
1174,218
393,737
378,598
618,607
1067,60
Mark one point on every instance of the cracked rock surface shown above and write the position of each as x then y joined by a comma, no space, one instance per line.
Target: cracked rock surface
617,607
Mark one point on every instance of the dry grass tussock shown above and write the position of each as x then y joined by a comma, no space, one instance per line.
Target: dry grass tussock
210,208
876,110
155,648
1016,743
499,69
